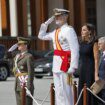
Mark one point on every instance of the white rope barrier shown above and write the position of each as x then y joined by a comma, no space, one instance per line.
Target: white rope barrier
79,97
42,100
29,94
92,94
45,98
96,96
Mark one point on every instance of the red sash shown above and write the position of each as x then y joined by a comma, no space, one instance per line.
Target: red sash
65,55
66,62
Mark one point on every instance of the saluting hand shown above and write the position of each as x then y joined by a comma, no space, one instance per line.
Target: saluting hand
50,20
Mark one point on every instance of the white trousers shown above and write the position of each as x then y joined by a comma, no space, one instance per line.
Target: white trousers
63,91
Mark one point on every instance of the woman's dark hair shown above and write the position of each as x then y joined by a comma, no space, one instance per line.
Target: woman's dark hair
91,28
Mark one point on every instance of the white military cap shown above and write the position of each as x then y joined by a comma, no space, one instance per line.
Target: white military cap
58,11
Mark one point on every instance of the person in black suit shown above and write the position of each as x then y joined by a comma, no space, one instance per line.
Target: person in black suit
101,44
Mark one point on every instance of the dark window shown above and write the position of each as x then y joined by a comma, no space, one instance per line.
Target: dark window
91,11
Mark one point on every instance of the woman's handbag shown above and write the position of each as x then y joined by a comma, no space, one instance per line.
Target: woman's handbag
97,86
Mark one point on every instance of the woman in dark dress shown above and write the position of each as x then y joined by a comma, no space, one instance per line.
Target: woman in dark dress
88,60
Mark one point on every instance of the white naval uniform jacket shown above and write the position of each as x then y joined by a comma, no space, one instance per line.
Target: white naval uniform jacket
68,41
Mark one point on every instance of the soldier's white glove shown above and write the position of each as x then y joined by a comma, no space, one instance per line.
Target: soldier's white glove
50,20
12,48
71,70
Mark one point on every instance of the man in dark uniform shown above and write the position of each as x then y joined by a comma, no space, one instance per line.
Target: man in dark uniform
101,44
23,70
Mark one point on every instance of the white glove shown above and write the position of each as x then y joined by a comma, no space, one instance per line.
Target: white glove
71,70
50,20
12,48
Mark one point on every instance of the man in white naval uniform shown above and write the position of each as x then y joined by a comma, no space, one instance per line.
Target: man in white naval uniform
64,40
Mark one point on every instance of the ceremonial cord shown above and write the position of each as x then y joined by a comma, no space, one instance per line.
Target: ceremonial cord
79,97
92,94
29,94
96,96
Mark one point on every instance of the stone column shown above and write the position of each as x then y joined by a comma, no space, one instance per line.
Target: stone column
100,17
0,20
13,17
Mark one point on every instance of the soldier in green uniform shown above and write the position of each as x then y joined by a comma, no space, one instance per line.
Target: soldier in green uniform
23,70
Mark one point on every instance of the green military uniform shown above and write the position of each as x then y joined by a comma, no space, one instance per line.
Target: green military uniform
25,65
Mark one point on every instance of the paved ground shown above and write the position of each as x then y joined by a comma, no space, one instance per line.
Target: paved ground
42,87
7,95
